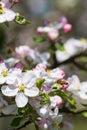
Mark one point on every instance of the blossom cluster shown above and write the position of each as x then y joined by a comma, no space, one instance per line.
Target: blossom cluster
31,87
45,91
52,28
28,89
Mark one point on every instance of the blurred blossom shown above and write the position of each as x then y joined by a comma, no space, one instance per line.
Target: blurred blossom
22,51
71,47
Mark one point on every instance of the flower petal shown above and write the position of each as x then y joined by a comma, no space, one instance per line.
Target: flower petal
9,15
21,100
2,79
32,92
10,109
8,91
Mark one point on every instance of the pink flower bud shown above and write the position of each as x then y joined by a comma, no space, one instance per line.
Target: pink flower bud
67,27
39,30
53,34
16,1
18,65
1,60
57,100
42,66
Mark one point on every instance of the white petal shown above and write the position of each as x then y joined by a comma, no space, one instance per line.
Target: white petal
8,91
11,79
10,109
32,92
21,100
44,111
2,79
2,19
84,86
29,78
62,55
2,66
9,15
83,95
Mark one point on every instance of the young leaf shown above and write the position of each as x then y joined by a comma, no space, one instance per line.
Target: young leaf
39,83
84,114
39,39
16,121
21,20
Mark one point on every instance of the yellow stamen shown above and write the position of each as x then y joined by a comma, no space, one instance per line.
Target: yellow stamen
21,87
1,9
83,40
56,124
78,88
4,72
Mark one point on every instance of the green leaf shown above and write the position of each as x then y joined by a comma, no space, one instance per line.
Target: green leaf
45,98
16,121
61,47
85,105
19,19
64,96
39,83
39,39
84,114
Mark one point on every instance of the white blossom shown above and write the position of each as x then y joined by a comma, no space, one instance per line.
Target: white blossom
71,47
6,14
24,88
79,91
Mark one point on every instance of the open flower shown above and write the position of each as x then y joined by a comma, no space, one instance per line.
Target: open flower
8,76
6,14
38,57
71,47
22,51
79,91
56,74
24,88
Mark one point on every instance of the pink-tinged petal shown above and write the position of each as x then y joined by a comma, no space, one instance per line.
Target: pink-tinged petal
8,91
32,92
21,100
2,79
53,34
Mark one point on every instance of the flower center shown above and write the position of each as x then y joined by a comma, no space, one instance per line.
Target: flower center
21,87
83,40
78,88
4,72
1,9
